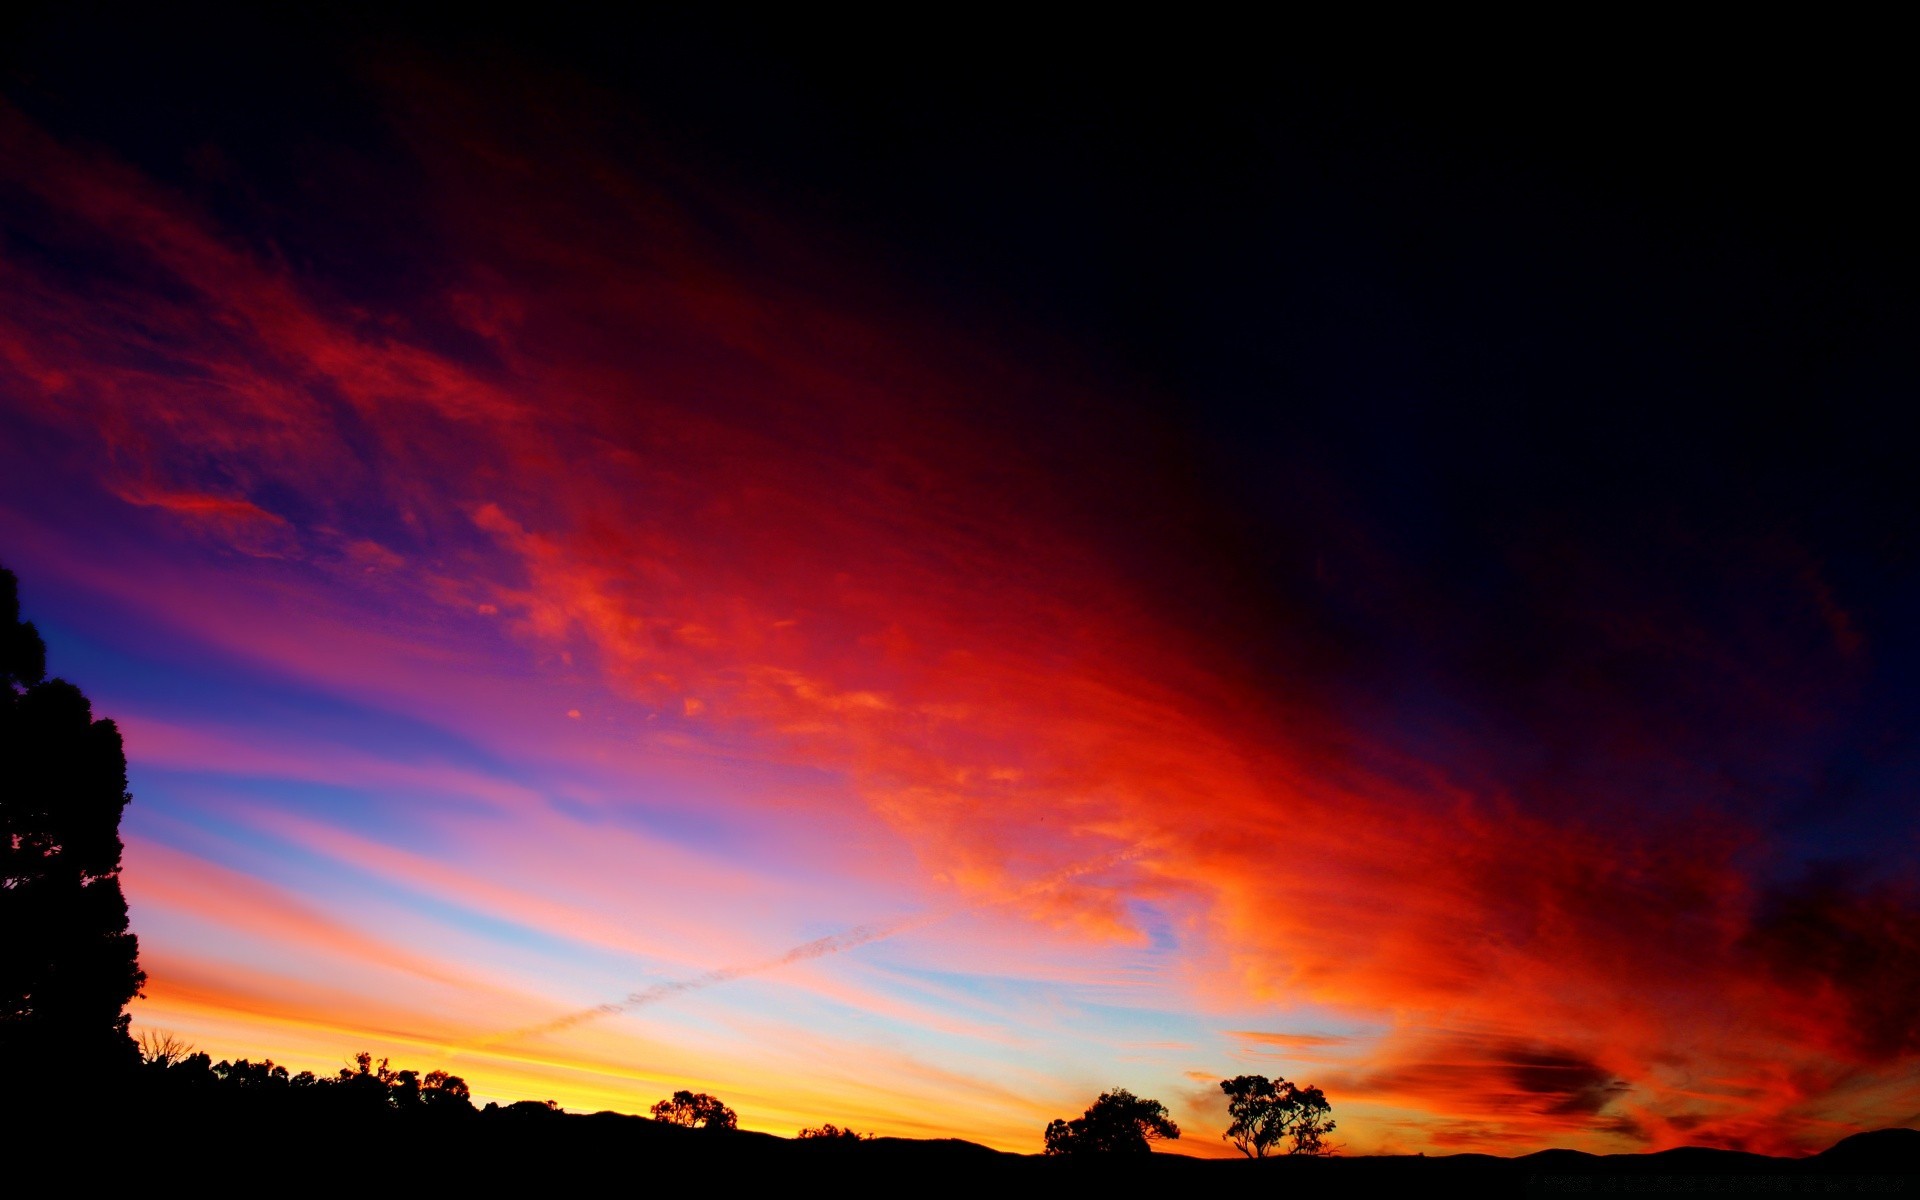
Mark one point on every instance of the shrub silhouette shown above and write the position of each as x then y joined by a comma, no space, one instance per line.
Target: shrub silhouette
68,964
830,1132
1267,1113
1119,1122
695,1110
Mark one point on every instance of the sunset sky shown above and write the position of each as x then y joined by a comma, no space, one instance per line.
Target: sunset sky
1011,567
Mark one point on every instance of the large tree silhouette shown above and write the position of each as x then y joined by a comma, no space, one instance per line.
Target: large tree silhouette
1119,1122
696,1110
68,965
1266,1113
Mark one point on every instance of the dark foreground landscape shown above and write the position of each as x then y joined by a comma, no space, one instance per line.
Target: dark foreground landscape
113,1145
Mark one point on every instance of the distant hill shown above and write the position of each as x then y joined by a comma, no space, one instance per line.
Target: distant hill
1873,1151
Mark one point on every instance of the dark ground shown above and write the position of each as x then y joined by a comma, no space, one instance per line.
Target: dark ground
251,1147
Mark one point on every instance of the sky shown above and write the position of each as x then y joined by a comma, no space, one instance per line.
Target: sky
909,589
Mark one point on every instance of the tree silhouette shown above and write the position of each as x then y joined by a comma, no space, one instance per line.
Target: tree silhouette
374,1084
1119,1122
441,1092
252,1076
366,1083
159,1049
1313,1124
68,965
695,1110
1267,1113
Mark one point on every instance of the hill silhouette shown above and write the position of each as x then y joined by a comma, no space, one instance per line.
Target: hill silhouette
1873,1151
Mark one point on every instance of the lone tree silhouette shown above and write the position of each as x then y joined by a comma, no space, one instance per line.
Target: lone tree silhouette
68,965
695,1110
1119,1122
1267,1113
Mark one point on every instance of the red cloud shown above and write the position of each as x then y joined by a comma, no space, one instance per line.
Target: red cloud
833,541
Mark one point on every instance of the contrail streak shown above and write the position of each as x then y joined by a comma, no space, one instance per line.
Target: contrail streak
859,935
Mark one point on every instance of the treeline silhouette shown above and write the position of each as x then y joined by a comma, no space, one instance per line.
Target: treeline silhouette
171,1071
